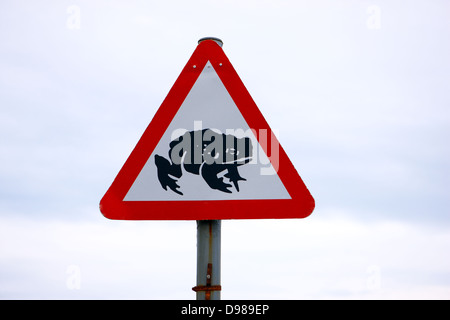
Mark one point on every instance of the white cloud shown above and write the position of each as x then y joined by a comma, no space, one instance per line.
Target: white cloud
363,115
267,259
317,258
115,259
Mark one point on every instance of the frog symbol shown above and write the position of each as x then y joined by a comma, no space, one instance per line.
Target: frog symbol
206,153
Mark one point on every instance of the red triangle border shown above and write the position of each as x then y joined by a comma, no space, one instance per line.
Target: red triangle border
112,205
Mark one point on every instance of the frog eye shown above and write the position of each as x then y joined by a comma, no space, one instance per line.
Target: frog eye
232,151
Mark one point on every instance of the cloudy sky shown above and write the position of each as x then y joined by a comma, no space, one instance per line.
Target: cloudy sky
358,91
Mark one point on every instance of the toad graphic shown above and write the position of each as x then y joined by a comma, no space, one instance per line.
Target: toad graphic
206,153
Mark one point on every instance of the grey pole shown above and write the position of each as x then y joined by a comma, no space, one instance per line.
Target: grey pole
208,248
208,260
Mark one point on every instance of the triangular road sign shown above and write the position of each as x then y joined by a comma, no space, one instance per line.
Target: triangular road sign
208,154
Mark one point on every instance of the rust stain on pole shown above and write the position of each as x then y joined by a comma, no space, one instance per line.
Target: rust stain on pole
208,260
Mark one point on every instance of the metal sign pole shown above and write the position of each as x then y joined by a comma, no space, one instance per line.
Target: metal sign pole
208,260
208,249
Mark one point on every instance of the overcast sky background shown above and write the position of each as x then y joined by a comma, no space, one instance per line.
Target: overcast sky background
358,91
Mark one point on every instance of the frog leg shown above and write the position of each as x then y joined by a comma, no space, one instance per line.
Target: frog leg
233,175
209,173
165,170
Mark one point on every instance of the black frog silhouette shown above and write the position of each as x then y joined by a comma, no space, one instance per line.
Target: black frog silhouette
206,153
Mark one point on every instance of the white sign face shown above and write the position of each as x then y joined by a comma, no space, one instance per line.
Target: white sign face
208,152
